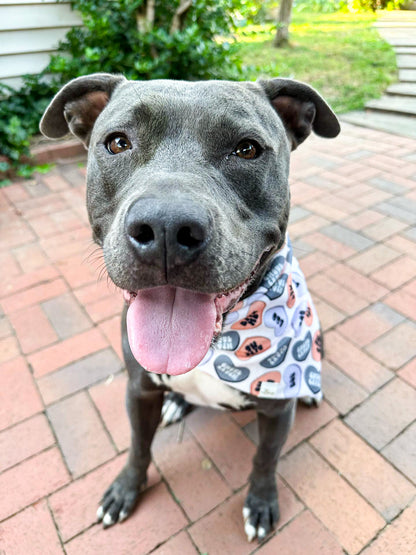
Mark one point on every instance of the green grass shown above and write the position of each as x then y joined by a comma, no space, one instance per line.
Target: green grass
339,54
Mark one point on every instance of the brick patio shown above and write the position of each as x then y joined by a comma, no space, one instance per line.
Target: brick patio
348,474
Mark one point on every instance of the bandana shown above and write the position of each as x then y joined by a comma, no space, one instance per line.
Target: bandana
271,345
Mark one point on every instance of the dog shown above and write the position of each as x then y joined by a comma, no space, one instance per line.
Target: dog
188,196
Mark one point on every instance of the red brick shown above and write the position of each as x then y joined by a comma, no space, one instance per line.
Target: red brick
16,233
5,328
112,331
337,505
335,294
396,347
305,534
222,448
222,530
96,291
385,488
178,544
32,328
75,506
12,283
16,193
9,348
363,219
403,245
306,225
370,199
157,518
365,327
31,257
32,479
78,375
329,246
31,531
373,258
403,302
24,440
322,208
67,351
370,420
61,246
402,452
398,538
384,228
77,271
307,421
397,273
340,390
34,295
83,440
19,397
356,282
315,262
244,417
105,308
56,223
301,193
109,398
35,207
356,364
328,315
66,315
192,477
9,268
408,373
55,182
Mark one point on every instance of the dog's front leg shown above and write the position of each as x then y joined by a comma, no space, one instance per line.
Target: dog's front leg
144,409
261,508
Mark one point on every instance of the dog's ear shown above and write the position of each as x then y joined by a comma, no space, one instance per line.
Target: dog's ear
301,108
77,105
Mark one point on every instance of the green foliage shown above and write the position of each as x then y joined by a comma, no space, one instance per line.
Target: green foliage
318,6
118,36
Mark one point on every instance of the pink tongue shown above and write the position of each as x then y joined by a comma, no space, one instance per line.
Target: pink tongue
170,329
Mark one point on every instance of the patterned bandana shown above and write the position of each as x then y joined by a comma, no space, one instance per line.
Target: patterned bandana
270,345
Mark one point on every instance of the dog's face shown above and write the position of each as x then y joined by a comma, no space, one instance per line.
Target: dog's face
187,192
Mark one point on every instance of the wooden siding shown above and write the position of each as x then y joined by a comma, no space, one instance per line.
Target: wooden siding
29,31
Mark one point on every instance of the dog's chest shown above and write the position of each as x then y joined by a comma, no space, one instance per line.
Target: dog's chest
199,388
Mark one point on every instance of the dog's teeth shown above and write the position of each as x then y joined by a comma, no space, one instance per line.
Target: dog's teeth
261,532
100,513
250,531
246,513
107,520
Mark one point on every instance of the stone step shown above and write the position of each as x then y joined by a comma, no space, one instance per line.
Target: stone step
406,61
403,105
397,125
407,75
405,50
402,41
403,89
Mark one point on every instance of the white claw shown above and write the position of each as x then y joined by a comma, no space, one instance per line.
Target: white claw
246,513
250,531
107,520
261,532
122,516
100,513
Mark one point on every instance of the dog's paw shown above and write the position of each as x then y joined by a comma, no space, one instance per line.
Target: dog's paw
120,499
260,517
174,409
312,401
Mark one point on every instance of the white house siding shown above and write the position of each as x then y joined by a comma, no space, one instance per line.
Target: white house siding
29,31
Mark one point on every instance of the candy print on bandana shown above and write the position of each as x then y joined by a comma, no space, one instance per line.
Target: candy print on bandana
271,343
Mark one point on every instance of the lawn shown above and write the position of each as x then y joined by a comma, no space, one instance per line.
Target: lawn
339,54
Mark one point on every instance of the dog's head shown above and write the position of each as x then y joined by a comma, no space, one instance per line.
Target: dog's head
187,193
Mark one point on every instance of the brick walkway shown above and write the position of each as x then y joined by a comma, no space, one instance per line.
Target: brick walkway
347,478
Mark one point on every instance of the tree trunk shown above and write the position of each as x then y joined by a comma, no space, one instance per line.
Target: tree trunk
283,22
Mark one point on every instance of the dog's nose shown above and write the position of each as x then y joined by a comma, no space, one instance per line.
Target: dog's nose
167,233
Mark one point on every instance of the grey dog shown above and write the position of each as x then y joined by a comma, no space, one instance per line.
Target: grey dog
188,196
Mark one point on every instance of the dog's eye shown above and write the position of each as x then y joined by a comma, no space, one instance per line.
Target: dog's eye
247,150
117,143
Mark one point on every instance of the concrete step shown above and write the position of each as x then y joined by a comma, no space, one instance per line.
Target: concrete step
406,61
397,125
402,89
402,105
402,41
405,50
407,75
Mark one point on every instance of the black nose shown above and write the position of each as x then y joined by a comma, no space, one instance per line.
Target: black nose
167,233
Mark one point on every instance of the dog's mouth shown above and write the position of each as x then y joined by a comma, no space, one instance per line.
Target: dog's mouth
170,329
